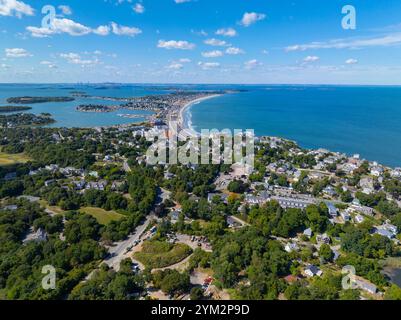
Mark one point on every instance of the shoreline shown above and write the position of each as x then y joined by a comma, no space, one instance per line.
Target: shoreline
184,125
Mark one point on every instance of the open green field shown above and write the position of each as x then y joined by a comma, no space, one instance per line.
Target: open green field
10,159
101,215
55,209
158,254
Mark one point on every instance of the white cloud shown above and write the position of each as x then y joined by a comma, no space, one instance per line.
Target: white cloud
251,64
229,32
175,66
75,58
173,44
138,8
251,18
66,10
76,29
181,1
14,7
351,61
216,42
208,65
102,30
311,59
387,40
185,60
17,53
125,31
234,51
50,64
212,54
202,33
60,26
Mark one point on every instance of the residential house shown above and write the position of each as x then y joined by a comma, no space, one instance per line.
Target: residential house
365,285
333,211
291,246
323,238
359,219
308,232
346,216
312,271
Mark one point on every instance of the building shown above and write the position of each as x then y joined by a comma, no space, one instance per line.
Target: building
308,232
346,216
312,271
365,285
323,238
232,223
332,209
222,196
289,247
363,209
387,230
293,202
359,218
39,235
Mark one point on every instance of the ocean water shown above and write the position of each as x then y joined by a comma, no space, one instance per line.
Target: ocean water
363,120
360,119
65,113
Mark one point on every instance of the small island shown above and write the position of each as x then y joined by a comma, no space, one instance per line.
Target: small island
8,109
32,100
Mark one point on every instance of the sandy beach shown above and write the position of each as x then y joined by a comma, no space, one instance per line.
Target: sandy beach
181,118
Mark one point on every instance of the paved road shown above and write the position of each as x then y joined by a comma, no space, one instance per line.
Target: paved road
119,251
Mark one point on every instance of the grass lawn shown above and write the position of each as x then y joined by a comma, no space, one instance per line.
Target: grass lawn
10,159
158,254
101,215
55,209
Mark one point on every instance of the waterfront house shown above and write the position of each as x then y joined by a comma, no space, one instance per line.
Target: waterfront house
377,171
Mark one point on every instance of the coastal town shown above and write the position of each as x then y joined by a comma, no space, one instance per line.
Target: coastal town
285,229
164,107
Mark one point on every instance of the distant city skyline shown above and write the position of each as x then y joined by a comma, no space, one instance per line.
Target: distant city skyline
200,41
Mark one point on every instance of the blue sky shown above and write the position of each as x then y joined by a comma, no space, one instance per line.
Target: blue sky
201,41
